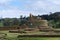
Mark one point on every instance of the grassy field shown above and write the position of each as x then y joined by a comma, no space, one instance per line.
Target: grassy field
13,36
33,38
16,34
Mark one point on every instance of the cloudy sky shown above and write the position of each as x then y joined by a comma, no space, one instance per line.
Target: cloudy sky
15,8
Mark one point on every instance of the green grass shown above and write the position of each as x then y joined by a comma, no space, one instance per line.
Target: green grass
1,24
9,34
57,29
13,36
16,34
33,38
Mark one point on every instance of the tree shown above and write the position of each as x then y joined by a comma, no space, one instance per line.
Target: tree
6,22
15,21
23,20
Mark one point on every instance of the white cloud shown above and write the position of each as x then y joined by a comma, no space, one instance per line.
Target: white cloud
39,4
35,7
4,1
4,4
13,13
57,2
42,6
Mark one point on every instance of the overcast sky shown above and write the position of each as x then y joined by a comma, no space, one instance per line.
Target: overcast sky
15,8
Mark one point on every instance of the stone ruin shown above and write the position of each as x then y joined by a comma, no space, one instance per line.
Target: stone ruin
37,23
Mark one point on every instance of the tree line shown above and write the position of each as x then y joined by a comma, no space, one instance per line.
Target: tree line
53,20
